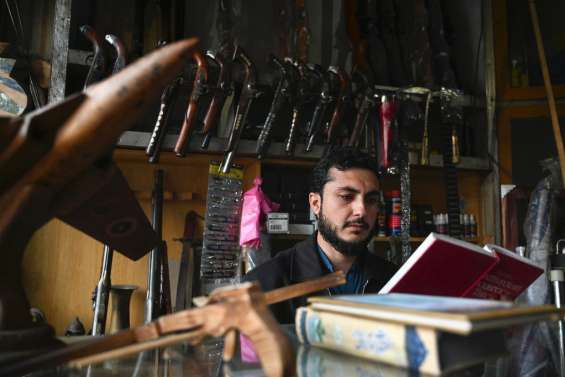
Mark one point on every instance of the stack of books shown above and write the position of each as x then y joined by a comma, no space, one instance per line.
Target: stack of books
422,328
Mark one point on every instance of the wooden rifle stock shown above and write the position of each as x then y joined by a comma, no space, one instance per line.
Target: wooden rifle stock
58,163
248,93
157,333
198,89
281,92
343,82
318,116
121,53
301,92
361,119
168,98
218,99
98,66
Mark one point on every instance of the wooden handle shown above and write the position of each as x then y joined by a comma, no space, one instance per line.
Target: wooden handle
151,335
548,90
296,290
133,349
291,291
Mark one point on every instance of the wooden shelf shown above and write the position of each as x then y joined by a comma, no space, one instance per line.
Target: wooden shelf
276,155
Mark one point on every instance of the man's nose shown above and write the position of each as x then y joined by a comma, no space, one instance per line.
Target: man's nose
359,207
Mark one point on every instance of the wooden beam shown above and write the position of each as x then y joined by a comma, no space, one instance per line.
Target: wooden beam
60,50
549,90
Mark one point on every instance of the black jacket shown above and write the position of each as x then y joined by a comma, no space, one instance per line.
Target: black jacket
302,262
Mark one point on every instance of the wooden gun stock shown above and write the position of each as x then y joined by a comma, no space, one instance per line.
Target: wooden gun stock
343,81
248,94
157,333
198,88
121,53
98,66
218,99
168,98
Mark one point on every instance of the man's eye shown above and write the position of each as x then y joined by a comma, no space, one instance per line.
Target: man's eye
372,201
345,197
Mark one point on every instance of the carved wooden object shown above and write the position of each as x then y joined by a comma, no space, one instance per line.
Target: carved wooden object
243,308
53,163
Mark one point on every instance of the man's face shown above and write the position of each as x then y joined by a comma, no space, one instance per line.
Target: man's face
349,205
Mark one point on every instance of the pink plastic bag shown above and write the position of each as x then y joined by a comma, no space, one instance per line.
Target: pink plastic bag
256,206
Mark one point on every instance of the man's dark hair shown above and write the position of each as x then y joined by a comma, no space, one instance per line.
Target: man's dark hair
341,158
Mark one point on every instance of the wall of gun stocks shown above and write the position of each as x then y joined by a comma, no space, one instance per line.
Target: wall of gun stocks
294,67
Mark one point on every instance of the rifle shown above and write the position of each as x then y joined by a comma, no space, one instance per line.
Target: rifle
318,116
118,45
102,293
361,119
220,93
281,92
301,94
97,69
248,94
342,79
198,89
168,98
153,307
186,271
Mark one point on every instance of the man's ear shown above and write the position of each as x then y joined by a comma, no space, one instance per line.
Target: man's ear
315,200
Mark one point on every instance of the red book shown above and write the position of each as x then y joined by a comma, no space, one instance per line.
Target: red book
445,266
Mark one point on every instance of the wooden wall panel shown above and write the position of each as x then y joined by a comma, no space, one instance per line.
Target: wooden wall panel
61,264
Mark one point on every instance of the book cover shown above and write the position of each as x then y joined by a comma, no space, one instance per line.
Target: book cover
508,278
417,348
451,314
445,266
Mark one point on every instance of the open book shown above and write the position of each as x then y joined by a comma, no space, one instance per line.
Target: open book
445,266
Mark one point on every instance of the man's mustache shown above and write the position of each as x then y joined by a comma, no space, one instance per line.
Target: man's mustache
361,223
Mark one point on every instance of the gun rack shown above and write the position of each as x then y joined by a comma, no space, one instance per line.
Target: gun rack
138,140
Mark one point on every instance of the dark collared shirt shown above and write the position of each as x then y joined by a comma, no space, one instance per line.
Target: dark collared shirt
302,262
354,277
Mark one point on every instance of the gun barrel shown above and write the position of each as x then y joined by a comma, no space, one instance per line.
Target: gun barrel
102,293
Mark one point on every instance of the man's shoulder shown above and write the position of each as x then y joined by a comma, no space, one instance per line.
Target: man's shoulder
278,267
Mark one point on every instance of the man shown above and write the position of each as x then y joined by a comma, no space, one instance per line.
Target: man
344,196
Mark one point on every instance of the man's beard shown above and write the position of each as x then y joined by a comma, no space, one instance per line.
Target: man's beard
349,248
